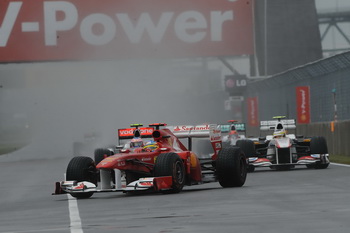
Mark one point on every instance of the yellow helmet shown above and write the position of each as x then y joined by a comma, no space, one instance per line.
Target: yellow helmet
151,146
279,133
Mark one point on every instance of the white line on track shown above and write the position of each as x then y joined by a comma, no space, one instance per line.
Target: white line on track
74,216
340,164
75,222
42,230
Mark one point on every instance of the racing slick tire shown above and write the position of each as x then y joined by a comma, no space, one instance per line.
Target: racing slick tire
318,165
247,146
82,168
231,167
318,145
170,164
321,165
100,154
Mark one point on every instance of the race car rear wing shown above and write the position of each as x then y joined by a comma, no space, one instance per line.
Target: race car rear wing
211,131
225,128
271,125
195,131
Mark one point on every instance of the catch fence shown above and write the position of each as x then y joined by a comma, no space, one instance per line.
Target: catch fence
329,82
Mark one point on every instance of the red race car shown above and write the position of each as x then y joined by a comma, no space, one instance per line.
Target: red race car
163,163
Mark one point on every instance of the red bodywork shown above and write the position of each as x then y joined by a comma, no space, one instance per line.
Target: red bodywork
143,161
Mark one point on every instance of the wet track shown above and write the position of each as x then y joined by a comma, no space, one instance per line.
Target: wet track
300,200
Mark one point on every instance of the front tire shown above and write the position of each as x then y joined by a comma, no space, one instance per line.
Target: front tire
284,167
170,164
231,167
321,165
318,145
82,168
251,168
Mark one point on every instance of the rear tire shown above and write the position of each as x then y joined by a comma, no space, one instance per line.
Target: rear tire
231,167
100,154
82,168
170,164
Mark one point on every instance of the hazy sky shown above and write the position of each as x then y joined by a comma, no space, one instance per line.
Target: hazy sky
334,39
333,5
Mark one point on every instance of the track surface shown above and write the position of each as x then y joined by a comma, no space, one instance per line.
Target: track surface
300,200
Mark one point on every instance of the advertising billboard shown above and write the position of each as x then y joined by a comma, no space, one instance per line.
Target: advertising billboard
47,30
303,104
253,119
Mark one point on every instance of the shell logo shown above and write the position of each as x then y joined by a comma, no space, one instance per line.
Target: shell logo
303,117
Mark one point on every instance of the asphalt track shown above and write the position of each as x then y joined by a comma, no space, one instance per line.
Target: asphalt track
300,200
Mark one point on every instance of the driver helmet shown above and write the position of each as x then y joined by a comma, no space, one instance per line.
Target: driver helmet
233,132
279,133
151,146
136,142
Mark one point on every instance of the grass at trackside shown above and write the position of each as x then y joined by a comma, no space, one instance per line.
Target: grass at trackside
339,159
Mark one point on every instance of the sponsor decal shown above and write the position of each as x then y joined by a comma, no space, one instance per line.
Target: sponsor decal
185,128
146,159
121,163
235,84
80,186
215,138
146,183
44,30
253,111
217,145
129,132
303,104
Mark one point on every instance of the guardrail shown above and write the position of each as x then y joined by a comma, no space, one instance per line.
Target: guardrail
337,136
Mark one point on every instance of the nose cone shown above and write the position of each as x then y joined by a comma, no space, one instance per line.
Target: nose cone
110,162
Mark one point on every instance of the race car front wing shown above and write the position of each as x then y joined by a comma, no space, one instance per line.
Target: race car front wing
304,160
155,183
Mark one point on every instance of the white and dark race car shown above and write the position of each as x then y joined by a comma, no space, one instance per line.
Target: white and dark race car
282,151
162,163
233,134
